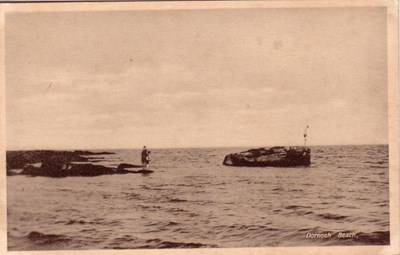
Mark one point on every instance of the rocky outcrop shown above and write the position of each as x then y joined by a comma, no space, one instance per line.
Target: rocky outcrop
124,166
270,157
76,169
55,163
69,169
59,164
18,159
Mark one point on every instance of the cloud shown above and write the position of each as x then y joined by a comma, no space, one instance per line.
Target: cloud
197,78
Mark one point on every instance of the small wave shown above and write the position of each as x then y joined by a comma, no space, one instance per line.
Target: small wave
375,162
65,190
169,245
177,200
347,206
153,240
205,202
81,222
150,224
305,212
151,208
88,230
67,210
348,167
249,227
102,221
171,223
157,187
94,222
381,167
181,230
46,239
261,182
296,207
175,210
184,185
331,216
336,196
133,196
151,188
299,213
304,229
123,239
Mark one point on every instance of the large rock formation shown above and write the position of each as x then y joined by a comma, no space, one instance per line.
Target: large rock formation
76,169
275,157
18,159
68,169
63,164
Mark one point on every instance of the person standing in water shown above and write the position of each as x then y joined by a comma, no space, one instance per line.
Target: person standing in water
145,158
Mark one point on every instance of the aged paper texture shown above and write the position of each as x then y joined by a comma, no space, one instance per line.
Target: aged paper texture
215,127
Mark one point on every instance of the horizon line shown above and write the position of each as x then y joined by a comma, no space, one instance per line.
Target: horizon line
196,147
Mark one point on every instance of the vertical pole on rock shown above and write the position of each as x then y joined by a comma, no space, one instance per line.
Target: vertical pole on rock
305,136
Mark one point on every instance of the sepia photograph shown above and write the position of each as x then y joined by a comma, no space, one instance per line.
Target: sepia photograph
200,126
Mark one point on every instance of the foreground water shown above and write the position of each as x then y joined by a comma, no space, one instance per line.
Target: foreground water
192,200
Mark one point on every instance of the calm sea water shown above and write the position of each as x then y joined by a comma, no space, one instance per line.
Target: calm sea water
192,200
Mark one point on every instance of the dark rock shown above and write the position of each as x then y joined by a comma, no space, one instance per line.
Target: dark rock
61,164
79,152
90,170
123,166
18,159
52,161
69,169
274,157
143,172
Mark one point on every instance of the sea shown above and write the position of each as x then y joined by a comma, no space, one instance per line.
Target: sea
193,201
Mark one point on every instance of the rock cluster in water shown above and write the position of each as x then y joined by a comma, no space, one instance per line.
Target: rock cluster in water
62,164
270,157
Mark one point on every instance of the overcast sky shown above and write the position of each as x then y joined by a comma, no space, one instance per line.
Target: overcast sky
193,78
